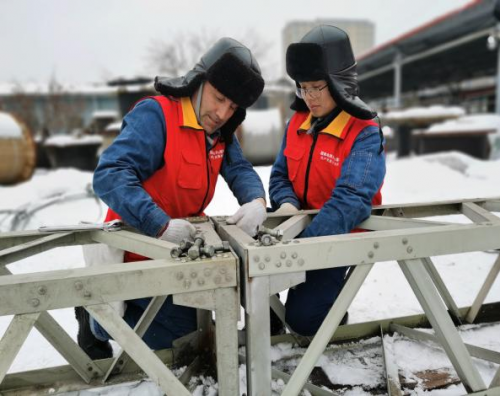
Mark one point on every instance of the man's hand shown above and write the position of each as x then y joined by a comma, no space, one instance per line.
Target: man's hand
177,230
286,209
250,216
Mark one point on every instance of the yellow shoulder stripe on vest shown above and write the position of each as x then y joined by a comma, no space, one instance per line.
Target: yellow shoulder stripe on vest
335,128
188,116
306,124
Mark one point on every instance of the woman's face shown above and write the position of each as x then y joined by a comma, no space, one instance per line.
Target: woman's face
317,97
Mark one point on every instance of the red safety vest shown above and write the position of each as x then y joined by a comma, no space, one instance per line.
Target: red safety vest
314,167
185,185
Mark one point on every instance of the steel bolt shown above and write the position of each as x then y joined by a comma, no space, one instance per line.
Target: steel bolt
409,249
278,264
194,251
256,259
294,255
267,259
179,275
301,261
42,290
278,234
87,294
78,285
370,254
288,263
405,241
194,274
283,255
376,245
266,240
35,302
208,251
262,266
187,284
176,252
207,271
201,281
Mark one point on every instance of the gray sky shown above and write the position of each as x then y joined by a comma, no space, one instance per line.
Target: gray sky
89,40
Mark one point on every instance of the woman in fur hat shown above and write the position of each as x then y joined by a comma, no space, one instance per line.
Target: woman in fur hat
331,159
164,165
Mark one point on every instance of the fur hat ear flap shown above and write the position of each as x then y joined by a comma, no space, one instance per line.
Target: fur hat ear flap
228,129
236,80
179,87
305,62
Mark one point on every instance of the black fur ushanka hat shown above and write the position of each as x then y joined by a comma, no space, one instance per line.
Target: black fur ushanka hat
231,68
325,53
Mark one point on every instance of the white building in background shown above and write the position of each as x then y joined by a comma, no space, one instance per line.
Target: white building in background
361,33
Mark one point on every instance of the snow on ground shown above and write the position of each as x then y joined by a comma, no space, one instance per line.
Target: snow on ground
385,292
9,127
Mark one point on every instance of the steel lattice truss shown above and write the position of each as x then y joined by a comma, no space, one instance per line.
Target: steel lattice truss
397,232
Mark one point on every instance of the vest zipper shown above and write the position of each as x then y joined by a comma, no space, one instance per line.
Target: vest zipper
311,152
207,162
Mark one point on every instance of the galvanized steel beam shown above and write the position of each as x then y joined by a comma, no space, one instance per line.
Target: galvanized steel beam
478,352
427,295
326,331
121,332
13,340
371,247
483,292
116,282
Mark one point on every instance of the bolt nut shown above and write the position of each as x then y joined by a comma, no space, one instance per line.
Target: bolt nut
370,254
283,255
262,266
35,302
278,264
42,290
405,241
201,281
294,255
409,249
288,263
207,271
256,259
376,245
194,274
267,259
301,261
78,285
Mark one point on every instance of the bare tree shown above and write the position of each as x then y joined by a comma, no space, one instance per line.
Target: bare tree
177,55
63,110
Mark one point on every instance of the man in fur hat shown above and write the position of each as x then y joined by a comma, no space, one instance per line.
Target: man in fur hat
331,159
164,166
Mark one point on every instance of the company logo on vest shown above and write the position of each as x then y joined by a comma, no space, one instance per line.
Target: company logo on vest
216,154
329,157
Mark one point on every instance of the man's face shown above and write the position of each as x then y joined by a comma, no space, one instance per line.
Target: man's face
215,108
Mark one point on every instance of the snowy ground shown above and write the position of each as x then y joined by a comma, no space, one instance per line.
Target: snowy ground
384,294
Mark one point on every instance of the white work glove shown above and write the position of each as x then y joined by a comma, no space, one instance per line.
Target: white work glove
177,230
286,209
249,216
